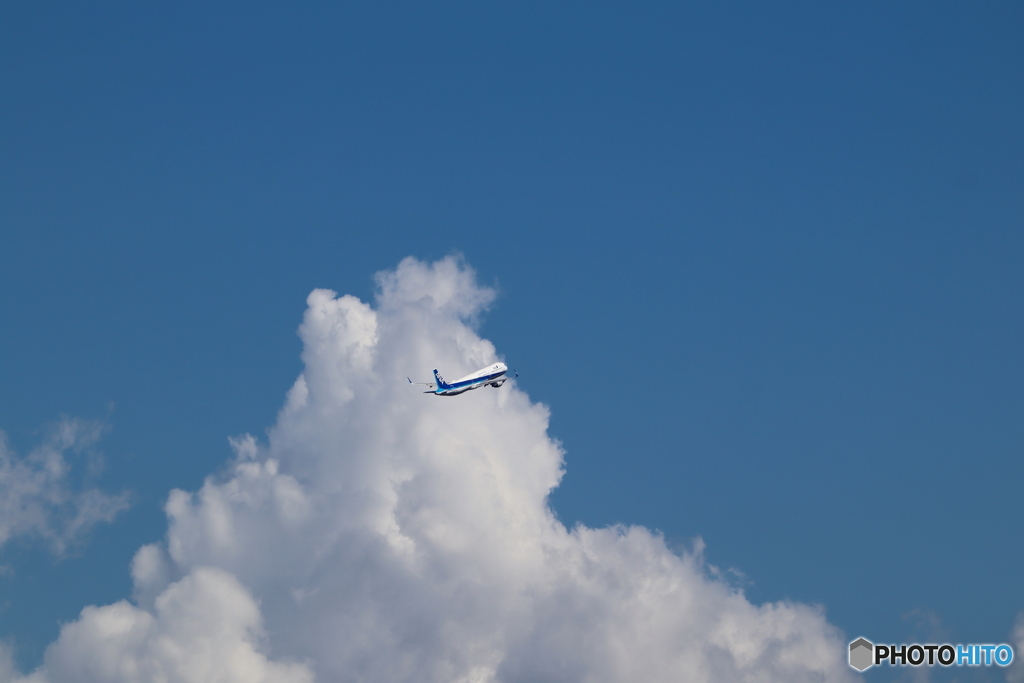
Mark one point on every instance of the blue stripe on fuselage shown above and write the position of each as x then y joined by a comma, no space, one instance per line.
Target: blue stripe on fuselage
468,384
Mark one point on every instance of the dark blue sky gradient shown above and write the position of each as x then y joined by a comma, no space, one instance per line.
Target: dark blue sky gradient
765,263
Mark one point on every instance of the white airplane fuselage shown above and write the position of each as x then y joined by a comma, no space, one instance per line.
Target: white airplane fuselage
493,375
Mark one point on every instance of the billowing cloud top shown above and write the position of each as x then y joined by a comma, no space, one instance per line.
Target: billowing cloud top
384,535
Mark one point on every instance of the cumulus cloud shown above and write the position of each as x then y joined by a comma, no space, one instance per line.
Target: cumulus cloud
383,535
38,493
202,628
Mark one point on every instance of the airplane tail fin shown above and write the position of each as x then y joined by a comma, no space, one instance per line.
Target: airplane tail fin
440,380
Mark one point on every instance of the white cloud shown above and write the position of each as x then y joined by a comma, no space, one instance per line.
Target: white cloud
384,535
203,628
38,495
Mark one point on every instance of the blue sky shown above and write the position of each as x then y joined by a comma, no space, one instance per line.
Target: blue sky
762,262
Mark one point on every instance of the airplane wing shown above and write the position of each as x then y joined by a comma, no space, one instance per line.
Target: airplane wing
501,380
431,387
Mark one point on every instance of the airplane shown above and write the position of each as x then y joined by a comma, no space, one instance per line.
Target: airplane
494,375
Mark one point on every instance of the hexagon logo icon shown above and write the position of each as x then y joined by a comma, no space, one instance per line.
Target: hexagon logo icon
861,654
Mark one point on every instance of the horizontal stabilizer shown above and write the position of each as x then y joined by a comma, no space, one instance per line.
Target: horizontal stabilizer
431,387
